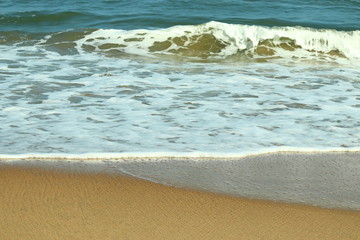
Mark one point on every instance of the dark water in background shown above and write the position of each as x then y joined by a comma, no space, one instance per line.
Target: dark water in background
109,76
52,16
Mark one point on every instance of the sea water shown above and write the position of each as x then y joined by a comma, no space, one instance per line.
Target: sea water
178,76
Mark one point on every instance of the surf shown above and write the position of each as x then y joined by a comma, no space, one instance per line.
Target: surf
208,42
217,40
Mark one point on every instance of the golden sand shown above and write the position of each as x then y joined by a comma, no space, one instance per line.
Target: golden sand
40,204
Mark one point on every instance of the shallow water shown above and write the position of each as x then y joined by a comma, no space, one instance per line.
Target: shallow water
178,76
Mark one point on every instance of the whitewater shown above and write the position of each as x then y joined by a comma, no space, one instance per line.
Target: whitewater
215,39
243,88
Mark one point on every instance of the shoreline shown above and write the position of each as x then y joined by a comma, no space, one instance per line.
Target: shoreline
42,204
177,155
325,179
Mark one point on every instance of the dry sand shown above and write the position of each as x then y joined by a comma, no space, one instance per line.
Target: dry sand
44,204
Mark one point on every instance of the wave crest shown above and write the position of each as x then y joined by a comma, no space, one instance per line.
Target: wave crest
216,40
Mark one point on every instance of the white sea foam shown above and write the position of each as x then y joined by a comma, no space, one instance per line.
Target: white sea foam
84,103
53,102
230,38
155,156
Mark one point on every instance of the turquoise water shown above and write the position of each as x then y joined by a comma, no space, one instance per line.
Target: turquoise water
46,16
179,76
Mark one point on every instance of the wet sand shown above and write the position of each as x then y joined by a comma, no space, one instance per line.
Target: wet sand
48,204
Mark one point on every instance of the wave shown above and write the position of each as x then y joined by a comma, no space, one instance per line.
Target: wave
221,40
44,21
211,41
39,17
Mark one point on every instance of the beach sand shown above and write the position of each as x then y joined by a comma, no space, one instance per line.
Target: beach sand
48,204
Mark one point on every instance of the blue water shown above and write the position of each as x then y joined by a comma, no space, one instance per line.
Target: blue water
182,76
51,16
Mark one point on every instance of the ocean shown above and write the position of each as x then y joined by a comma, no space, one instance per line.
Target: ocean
251,98
178,76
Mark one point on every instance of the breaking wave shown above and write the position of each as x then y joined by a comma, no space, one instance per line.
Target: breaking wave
220,40
209,41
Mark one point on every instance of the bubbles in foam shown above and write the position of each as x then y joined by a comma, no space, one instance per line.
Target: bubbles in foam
221,40
92,103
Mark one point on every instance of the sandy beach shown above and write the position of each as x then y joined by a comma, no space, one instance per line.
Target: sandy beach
48,204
